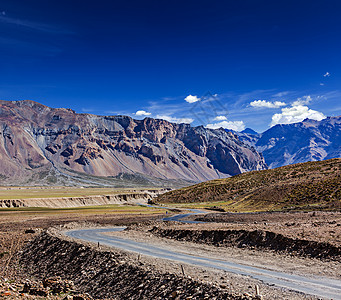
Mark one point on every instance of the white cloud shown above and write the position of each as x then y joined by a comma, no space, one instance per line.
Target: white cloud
174,119
296,113
321,83
302,101
267,104
234,125
281,94
327,74
192,99
220,118
142,113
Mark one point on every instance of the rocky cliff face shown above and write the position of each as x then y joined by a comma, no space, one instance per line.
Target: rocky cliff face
309,140
36,138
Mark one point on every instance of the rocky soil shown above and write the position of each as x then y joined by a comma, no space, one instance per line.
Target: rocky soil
109,274
262,258
310,234
43,260
317,226
32,256
256,239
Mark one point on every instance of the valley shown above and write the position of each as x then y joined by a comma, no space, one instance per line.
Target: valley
214,252
196,212
170,150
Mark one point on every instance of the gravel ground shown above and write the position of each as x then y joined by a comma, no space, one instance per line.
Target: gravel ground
240,284
315,226
319,226
17,229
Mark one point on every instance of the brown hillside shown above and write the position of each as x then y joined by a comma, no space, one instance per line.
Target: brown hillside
311,185
59,146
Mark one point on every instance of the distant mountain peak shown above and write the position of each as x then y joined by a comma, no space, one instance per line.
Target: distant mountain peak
309,140
249,131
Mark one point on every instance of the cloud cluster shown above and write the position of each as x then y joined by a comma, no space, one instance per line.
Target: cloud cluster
327,74
220,118
302,101
296,113
175,119
281,94
142,113
234,125
267,104
192,99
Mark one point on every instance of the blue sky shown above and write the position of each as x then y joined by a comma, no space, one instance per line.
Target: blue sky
237,63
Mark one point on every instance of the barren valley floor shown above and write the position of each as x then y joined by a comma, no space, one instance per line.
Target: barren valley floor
144,225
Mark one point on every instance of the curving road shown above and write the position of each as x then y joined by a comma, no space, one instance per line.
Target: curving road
178,217
322,287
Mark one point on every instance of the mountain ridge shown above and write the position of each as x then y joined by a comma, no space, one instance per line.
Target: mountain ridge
38,138
309,140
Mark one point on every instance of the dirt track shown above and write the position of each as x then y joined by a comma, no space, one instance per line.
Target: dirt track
237,285
111,274
319,285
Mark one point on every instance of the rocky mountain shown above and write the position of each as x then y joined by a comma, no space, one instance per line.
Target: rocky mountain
39,144
309,140
249,131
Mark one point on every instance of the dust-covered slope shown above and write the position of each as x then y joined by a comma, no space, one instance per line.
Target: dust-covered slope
42,141
308,185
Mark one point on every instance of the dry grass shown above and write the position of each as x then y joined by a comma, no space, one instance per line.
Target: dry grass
309,186
112,209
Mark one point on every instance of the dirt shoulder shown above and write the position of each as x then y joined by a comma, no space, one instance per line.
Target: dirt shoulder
312,235
17,229
167,277
108,273
253,257
316,226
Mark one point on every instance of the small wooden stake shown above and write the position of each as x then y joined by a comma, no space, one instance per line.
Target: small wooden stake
183,271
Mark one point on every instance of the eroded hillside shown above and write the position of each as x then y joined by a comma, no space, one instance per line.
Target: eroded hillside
49,142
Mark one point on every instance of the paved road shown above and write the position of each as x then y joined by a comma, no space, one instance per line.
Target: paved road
178,217
322,287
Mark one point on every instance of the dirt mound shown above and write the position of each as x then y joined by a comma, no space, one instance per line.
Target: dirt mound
257,238
105,274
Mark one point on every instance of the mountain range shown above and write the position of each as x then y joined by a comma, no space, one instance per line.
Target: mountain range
54,146
286,144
